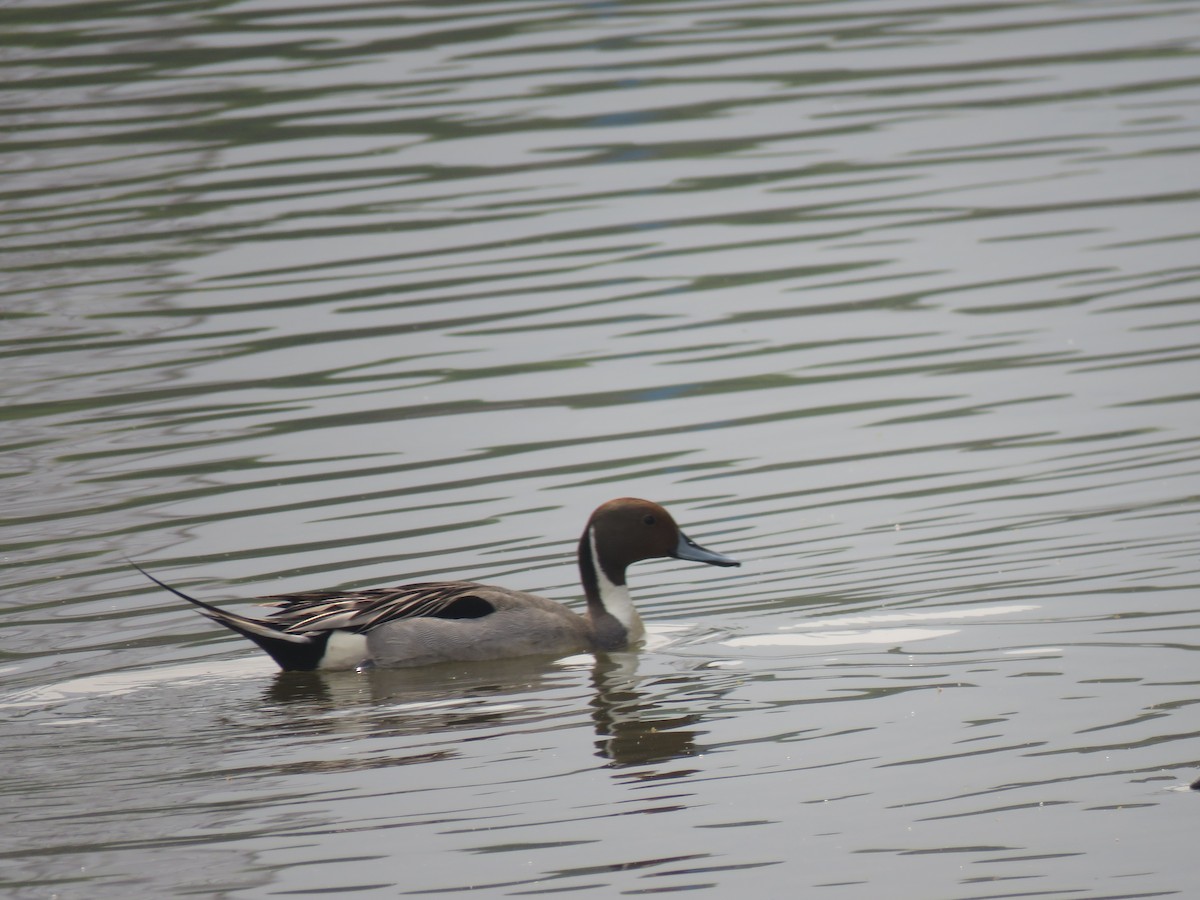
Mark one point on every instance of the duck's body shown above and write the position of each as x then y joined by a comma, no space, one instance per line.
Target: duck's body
459,621
422,624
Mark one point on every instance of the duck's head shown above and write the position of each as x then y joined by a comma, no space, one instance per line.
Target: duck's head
627,530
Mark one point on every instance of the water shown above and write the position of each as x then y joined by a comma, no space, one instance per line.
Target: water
896,304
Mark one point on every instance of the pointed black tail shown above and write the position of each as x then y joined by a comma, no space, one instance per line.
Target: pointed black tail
293,652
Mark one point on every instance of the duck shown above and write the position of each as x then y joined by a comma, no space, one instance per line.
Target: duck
461,621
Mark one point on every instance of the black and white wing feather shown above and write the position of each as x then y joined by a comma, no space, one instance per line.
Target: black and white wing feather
362,611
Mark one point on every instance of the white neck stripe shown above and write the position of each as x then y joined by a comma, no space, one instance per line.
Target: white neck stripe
613,597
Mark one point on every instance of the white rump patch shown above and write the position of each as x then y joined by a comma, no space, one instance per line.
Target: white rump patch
345,650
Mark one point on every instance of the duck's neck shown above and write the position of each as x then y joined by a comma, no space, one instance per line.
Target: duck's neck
615,623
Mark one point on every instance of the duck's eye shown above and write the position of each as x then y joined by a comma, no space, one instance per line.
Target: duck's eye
649,520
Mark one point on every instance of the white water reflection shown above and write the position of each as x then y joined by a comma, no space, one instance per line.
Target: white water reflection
895,636
840,631
108,686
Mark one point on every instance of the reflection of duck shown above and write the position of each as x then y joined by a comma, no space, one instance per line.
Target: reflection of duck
428,699
628,729
422,624
433,701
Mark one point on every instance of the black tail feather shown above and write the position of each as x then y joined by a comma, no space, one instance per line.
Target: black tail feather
293,652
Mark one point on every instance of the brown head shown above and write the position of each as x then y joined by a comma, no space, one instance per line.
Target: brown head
627,530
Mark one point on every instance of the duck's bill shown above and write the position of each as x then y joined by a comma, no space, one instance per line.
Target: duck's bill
693,552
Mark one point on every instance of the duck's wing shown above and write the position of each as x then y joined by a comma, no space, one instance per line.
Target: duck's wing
361,611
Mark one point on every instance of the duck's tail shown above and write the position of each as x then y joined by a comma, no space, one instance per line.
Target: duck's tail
293,652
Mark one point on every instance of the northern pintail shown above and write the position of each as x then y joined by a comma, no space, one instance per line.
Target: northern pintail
445,621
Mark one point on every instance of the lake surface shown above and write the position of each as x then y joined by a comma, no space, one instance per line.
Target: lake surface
897,303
